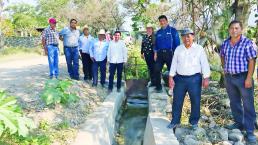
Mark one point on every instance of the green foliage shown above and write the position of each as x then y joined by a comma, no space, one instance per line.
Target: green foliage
251,32
57,91
137,67
40,139
12,120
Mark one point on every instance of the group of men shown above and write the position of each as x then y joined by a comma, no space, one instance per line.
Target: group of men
187,63
189,70
94,52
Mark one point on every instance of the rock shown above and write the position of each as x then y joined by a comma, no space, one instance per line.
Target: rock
181,132
204,118
214,136
191,140
239,143
235,135
223,134
200,134
212,124
225,143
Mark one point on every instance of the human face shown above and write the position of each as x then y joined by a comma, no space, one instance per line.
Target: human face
188,40
235,30
101,37
52,25
86,31
149,30
73,24
117,36
163,22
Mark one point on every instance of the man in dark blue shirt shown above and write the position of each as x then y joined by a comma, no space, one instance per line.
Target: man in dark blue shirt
167,39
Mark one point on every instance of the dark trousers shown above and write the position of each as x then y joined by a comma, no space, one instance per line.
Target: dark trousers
149,58
241,101
102,66
72,61
192,85
163,57
113,67
86,65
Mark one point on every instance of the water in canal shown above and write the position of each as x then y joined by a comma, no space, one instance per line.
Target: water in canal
132,121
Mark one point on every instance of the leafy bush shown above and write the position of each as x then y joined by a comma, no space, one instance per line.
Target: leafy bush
12,120
57,91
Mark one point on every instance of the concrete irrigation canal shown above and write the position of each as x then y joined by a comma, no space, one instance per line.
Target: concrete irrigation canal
136,116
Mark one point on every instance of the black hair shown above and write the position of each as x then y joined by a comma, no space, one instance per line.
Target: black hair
118,32
162,17
73,20
235,22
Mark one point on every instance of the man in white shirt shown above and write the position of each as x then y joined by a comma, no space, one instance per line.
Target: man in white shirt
85,42
117,56
98,54
189,71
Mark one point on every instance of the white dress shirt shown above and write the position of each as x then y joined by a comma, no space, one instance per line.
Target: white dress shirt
190,61
85,43
117,52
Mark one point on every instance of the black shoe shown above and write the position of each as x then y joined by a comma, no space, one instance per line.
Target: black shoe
94,85
172,126
109,91
251,138
118,90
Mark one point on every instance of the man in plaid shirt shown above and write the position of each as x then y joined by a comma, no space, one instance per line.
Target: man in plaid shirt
238,55
50,38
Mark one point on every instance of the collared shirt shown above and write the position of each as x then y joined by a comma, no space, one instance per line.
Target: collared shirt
71,37
147,44
190,61
117,52
50,35
85,43
167,38
236,57
99,50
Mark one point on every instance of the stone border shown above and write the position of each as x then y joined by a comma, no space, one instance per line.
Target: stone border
99,128
156,132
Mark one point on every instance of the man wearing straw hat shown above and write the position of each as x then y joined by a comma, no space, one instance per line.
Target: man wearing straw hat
189,71
98,54
147,52
85,41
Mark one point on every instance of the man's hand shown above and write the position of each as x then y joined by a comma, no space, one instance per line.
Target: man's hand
171,82
205,83
248,83
142,56
92,58
45,51
155,56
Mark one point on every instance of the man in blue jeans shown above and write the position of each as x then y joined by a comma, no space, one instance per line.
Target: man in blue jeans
189,71
116,56
98,54
70,36
50,45
238,55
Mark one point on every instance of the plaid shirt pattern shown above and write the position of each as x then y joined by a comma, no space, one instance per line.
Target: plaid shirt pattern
236,57
51,36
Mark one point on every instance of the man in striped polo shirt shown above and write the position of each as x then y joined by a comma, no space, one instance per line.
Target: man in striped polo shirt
238,55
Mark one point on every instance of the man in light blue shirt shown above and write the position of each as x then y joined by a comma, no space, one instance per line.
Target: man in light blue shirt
85,42
98,54
70,36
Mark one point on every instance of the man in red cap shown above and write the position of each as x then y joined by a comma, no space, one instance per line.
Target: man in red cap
50,38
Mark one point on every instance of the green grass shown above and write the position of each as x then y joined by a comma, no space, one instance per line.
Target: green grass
7,51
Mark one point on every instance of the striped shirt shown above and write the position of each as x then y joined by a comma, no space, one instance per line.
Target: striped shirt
50,35
236,57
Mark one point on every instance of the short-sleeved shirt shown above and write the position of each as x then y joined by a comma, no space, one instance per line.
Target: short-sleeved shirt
147,44
71,37
51,36
236,57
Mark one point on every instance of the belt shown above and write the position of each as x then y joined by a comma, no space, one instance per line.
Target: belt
54,44
71,47
236,75
165,50
189,75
